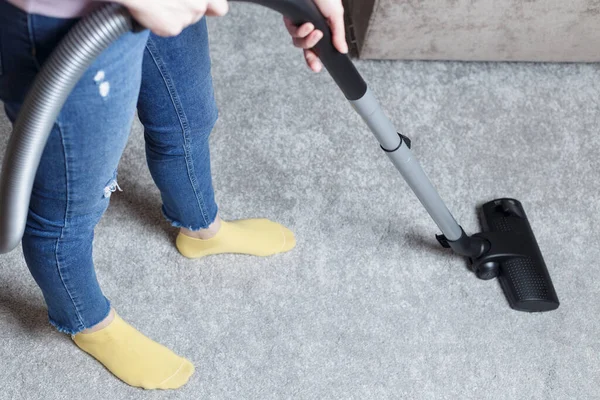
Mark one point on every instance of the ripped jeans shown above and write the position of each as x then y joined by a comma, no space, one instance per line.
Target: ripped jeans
169,81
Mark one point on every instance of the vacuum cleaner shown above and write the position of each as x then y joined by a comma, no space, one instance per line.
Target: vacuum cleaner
505,249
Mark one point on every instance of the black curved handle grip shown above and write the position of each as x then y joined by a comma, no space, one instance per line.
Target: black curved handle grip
339,65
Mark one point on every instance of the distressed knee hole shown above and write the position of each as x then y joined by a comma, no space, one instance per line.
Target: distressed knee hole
112,187
103,84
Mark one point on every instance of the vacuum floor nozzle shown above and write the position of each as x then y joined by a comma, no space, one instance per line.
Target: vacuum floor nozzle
514,257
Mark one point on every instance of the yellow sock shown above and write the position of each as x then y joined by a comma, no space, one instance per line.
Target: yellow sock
257,237
135,359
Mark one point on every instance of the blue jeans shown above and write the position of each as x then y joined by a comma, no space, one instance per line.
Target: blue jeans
170,83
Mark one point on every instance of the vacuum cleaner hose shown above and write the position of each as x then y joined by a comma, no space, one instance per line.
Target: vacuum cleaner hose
45,99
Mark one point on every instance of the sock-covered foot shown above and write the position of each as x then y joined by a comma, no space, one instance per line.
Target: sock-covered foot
257,237
135,359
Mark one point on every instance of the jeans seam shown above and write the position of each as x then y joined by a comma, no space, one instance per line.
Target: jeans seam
184,127
58,263
31,33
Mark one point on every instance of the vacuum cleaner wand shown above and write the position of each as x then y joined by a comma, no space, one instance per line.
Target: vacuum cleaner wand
507,248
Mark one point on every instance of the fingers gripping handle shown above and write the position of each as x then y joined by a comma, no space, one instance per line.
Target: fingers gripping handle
339,65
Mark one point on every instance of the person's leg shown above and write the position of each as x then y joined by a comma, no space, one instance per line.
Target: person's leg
76,177
177,134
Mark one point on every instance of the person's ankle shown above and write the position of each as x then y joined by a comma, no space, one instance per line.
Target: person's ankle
204,234
102,324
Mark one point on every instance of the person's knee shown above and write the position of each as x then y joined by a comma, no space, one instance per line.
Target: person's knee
77,213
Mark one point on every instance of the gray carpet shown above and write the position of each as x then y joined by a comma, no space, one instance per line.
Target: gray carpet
366,306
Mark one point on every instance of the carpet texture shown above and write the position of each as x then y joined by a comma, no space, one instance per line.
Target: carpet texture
367,306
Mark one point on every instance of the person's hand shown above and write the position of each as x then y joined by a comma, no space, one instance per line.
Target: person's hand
306,36
170,17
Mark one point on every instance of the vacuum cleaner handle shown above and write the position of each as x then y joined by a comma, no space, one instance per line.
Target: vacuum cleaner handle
339,65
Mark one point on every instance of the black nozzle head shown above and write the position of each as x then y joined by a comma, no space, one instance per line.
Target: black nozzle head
516,256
